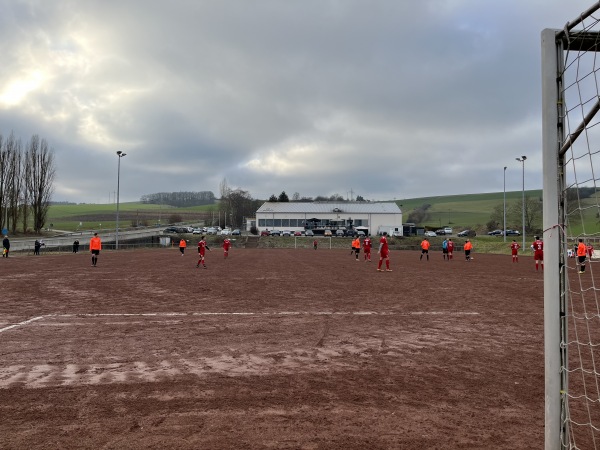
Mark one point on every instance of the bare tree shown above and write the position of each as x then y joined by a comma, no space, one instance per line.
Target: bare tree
533,213
13,184
40,181
3,164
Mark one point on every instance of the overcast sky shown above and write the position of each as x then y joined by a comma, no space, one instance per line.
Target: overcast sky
384,98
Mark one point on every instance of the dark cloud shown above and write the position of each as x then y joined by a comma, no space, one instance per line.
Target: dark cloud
387,98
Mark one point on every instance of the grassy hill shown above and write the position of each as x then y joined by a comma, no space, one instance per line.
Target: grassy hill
72,217
462,211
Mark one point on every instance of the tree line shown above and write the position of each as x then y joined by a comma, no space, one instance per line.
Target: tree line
181,199
27,173
283,197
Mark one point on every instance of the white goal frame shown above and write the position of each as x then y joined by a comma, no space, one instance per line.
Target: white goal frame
556,141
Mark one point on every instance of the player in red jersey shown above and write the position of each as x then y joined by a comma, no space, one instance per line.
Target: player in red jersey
384,253
367,248
226,247
538,252
201,251
450,249
514,249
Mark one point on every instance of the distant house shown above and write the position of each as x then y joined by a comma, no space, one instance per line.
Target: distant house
320,216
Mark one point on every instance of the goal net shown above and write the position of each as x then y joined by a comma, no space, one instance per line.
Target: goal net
571,163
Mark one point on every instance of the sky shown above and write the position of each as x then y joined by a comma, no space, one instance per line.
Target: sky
386,99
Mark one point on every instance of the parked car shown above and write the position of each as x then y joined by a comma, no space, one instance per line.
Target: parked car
275,233
236,232
170,230
350,233
513,233
297,233
495,233
197,231
361,233
447,230
327,233
440,232
467,233
211,230
287,233
309,233
265,233
340,233
430,234
225,231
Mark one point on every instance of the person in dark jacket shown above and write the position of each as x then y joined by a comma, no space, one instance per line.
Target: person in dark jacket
5,247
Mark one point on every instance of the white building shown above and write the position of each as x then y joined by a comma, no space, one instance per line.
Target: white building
298,216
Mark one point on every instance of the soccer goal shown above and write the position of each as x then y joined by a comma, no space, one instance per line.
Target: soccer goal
571,165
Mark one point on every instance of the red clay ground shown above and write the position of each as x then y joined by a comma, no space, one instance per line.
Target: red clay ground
270,349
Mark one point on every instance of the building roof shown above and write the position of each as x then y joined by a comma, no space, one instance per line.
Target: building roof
330,207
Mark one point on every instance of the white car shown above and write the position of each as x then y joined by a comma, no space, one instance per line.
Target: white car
211,230
430,234
225,231
197,231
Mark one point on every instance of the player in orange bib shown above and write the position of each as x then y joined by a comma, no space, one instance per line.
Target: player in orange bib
356,247
467,248
581,255
424,249
95,247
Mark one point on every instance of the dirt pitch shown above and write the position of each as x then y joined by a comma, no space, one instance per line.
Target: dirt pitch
270,349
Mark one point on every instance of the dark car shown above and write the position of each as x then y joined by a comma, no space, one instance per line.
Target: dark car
350,233
171,230
467,233
495,233
275,233
513,233
440,232
236,232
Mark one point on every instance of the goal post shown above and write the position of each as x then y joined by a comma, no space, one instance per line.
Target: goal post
571,214
551,194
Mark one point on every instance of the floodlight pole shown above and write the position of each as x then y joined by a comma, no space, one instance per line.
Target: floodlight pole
522,160
504,210
120,154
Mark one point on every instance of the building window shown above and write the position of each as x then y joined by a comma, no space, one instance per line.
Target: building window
262,223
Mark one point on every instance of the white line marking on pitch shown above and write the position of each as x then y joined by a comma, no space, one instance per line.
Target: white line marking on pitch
21,324
280,313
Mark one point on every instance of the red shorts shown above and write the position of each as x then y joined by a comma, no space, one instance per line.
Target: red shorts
515,252
538,255
384,253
